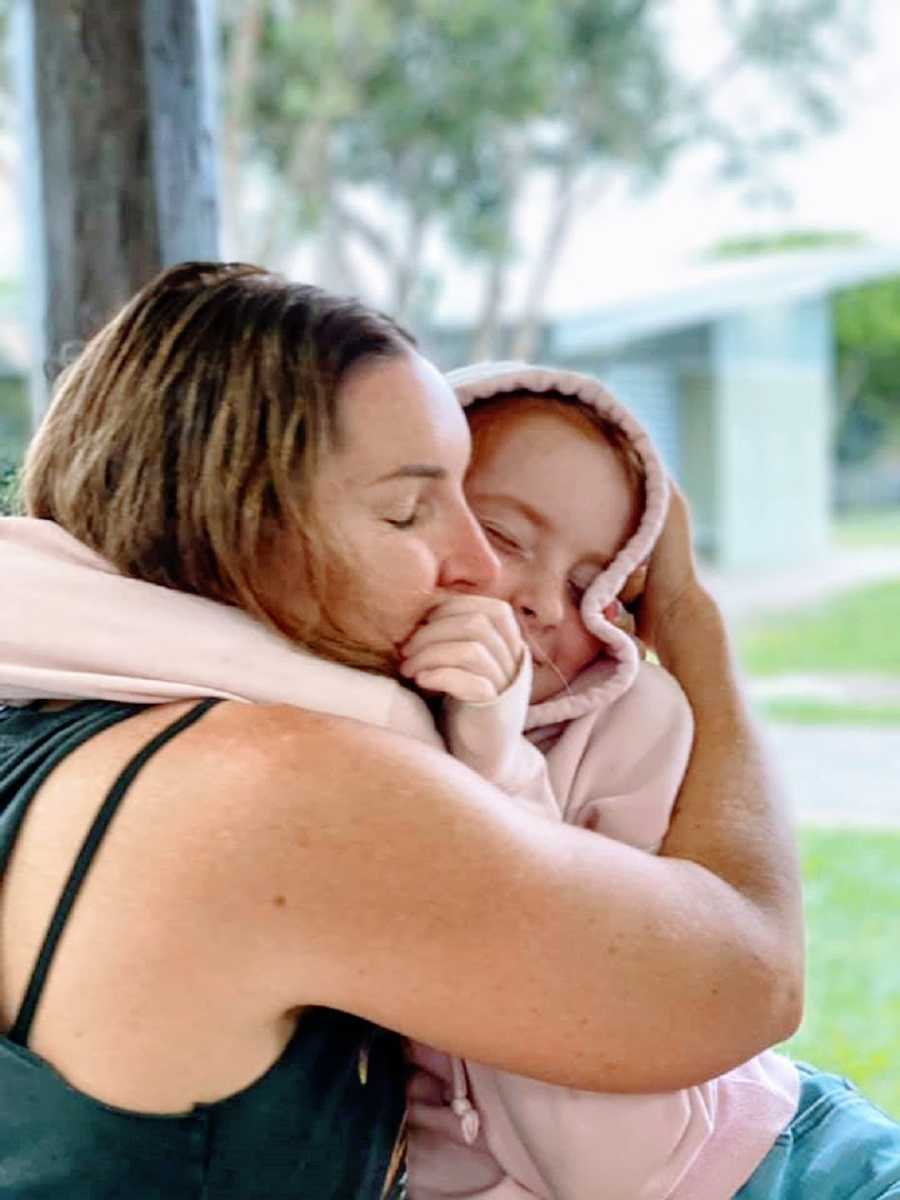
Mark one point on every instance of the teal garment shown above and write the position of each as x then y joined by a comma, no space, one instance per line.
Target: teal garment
839,1146
323,1123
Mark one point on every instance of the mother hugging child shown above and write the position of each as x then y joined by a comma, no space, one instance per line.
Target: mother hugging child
569,993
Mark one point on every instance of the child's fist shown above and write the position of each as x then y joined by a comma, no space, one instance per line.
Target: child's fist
469,648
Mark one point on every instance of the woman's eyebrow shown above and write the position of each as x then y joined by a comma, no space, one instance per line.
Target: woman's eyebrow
412,471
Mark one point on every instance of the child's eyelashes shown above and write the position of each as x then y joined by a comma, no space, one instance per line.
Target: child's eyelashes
501,539
576,592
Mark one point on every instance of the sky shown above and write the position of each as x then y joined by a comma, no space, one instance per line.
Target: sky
847,180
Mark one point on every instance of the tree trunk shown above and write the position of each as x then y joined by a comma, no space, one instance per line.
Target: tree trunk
242,68
119,131
334,269
525,340
487,329
408,265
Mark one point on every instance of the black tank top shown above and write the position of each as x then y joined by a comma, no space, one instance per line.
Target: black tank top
323,1123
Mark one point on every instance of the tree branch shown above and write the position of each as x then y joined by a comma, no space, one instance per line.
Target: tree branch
241,71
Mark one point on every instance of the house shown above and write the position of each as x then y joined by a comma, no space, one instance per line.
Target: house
730,368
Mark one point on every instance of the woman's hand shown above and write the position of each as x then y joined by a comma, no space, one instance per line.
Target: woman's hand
671,575
469,648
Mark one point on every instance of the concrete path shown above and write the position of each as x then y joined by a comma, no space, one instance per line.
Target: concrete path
837,775
747,594
874,691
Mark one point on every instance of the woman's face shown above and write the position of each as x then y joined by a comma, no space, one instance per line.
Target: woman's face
390,498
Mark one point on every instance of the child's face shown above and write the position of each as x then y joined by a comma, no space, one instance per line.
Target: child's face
556,504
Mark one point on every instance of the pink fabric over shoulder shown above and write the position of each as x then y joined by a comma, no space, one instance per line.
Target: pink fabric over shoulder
72,627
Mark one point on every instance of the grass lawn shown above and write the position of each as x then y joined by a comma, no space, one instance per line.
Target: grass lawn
879,527
854,632
852,1023
824,712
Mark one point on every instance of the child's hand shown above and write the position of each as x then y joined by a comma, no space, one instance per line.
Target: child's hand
469,648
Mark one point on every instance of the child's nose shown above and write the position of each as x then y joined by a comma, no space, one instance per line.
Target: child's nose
542,604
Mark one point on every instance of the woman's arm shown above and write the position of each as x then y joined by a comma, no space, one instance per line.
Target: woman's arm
369,873
730,817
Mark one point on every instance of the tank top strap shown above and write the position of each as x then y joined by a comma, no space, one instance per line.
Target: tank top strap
22,1025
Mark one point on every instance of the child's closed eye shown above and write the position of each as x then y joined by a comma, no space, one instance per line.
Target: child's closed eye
576,592
501,538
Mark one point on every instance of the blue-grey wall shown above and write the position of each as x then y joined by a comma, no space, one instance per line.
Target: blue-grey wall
772,394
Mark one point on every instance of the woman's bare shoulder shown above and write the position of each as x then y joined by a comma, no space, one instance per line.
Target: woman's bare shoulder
276,742
275,774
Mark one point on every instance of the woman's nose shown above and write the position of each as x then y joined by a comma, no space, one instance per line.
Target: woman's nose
473,565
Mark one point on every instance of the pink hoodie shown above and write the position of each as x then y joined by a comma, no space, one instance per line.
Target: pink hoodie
609,755
615,746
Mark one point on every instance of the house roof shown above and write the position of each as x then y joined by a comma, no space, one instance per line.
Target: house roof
706,293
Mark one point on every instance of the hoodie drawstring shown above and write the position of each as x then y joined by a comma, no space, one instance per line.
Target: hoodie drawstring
467,1114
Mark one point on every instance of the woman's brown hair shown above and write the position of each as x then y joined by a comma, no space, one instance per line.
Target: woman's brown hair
181,443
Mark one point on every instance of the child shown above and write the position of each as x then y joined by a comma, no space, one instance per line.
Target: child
573,498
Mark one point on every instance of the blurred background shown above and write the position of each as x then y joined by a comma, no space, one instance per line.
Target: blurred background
696,200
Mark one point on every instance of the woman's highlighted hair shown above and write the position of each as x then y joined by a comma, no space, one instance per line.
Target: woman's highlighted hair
181,443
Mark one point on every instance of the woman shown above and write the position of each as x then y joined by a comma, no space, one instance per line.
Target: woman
260,872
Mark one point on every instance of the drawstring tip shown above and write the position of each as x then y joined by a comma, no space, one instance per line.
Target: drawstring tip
469,1121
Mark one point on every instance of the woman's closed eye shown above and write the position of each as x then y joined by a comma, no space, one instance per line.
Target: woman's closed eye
408,513
406,522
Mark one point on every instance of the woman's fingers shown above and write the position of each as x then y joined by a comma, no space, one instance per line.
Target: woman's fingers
617,614
634,585
671,571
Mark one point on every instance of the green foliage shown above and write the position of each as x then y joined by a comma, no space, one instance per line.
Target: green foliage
8,487
819,712
857,631
780,243
443,108
865,529
867,335
852,1021
15,417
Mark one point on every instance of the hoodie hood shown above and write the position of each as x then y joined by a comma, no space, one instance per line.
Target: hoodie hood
614,673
